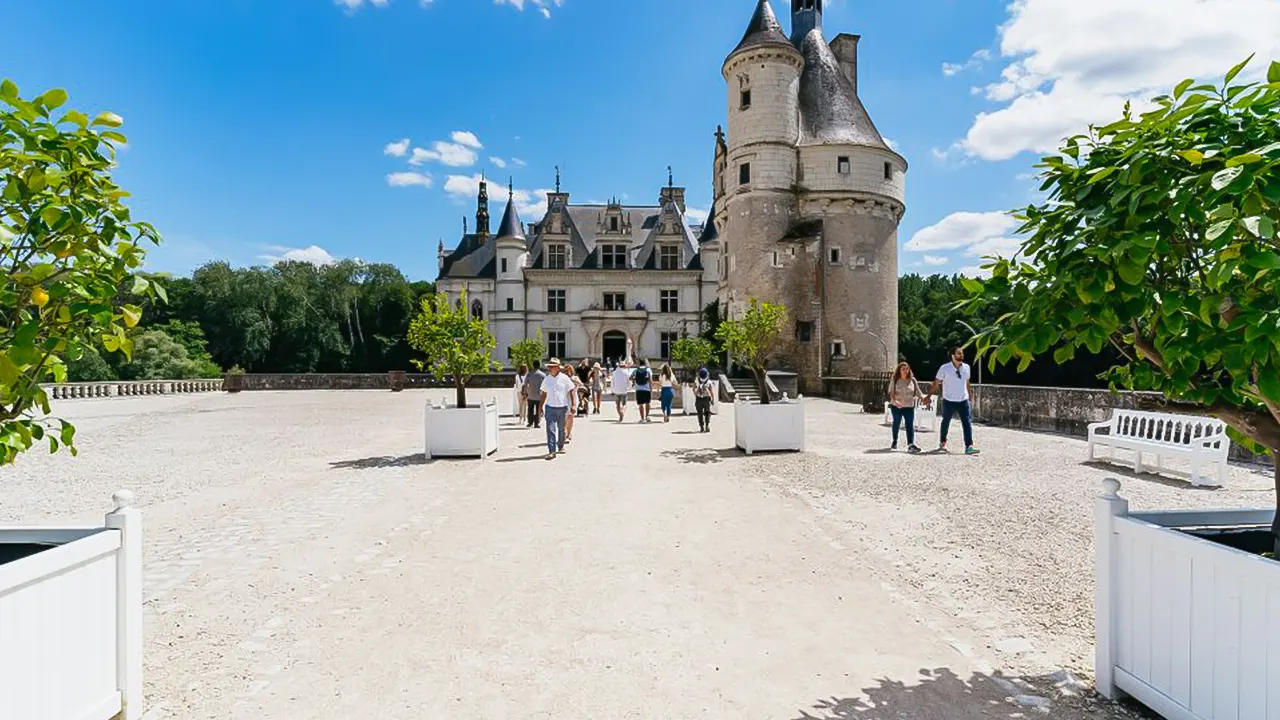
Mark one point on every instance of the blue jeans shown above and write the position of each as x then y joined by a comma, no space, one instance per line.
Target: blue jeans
900,414
668,398
950,408
554,419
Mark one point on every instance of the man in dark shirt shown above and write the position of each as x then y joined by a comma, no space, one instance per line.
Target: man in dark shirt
533,392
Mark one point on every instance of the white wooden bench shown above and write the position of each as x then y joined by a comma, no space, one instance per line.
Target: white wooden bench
1201,440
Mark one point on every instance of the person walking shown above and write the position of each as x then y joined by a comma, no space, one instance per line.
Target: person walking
557,400
533,393
522,400
620,380
597,387
903,393
668,384
703,394
953,383
643,378
579,390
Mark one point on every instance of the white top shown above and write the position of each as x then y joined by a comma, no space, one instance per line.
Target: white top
621,381
955,382
557,389
668,382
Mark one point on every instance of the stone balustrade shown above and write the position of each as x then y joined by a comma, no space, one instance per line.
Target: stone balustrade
121,388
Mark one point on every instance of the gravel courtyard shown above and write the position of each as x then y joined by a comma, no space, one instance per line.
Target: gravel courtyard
304,561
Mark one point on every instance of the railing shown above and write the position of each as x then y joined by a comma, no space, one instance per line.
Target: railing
117,388
870,390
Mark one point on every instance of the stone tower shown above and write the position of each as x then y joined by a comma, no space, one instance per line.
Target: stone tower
809,197
512,256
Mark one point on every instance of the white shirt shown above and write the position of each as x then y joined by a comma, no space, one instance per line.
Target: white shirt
621,381
955,382
557,389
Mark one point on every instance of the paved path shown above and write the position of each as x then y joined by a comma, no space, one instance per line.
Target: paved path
303,561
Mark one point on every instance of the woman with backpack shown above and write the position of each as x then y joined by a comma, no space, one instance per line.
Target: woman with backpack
643,379
667,380
703,393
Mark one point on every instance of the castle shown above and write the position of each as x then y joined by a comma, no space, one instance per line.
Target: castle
807,201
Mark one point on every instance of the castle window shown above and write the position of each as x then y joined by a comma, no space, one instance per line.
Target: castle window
613,257
511,304
842,165
837,348
613,224
746,100
804,332
555,301
477,310
744,174
669,257
666,341
888,171
615,301
835,255
774,259
800,172
504,264
556,345
669,301
557,256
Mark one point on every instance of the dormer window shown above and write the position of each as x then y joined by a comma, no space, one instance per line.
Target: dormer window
557,256
613,224
746,100
669,257
613,257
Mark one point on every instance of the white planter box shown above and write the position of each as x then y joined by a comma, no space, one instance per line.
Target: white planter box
465,432
687,399
71,621
776,426
1185,625
926,417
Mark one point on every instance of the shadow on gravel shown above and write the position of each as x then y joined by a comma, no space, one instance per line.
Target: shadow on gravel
703,456
1179,483
385,461
941,695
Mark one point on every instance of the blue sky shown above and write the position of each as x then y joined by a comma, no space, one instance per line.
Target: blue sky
269,128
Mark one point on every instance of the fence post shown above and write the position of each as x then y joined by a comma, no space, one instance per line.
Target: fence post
128,520
1107,508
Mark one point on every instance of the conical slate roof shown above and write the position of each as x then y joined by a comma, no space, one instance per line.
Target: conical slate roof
511,226
830,111
709,232
763,30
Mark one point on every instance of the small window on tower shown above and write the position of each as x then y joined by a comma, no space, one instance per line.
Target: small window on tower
511,304
744,174
842,165
888,171
835,256
613,224
504,264
804,332
746,99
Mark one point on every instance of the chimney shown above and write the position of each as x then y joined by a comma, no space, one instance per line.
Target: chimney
845,47
675,194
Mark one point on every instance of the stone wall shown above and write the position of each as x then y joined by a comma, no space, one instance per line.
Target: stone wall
358,381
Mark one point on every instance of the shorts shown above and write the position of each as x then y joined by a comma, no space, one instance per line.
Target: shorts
620,398
643,397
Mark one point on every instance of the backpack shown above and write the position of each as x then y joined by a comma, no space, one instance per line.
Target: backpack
642,376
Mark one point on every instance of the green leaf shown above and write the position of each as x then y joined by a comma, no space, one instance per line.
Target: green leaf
1273,72
1265,260
1182,87
1103,174
67,433
1244,159
1266,228
1218,229
54,98
1233,72
1269,385
1195,157
8,90
132,315
77,117
1132,273
108,119
1223,178
140,285
973,286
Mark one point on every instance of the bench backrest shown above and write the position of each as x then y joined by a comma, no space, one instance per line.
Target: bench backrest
1165,428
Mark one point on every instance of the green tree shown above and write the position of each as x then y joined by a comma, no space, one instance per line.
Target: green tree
156,356
67,244
1158,237
455,344
528,351
90,367
692,353
754,338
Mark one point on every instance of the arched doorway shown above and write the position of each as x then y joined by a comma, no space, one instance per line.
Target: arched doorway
613,346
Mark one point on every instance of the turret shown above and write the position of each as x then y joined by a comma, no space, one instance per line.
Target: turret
482,212
806,15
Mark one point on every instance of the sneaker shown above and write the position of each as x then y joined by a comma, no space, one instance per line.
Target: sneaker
551,456
560,451
942,446
913,449
971,450
893,446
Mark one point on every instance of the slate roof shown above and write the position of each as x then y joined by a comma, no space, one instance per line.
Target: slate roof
510,227
764,29
830,111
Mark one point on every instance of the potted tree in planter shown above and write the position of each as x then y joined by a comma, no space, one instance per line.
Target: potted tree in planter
69,246
457,346
752,340
1159,238
692,353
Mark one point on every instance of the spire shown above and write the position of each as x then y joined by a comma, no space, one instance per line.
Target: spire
464,225
482,209
806,16
671,182
764,28
709,233
511,227
557,179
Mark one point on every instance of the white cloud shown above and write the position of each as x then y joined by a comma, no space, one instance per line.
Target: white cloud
313,254
353,5
975,61
498,162
409,179
1075,62
464,137
973,271
517,161
531,204
542,6
397,148
977,234
445,153
696,214
935,260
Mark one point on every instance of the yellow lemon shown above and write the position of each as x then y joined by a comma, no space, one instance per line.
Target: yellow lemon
39,297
